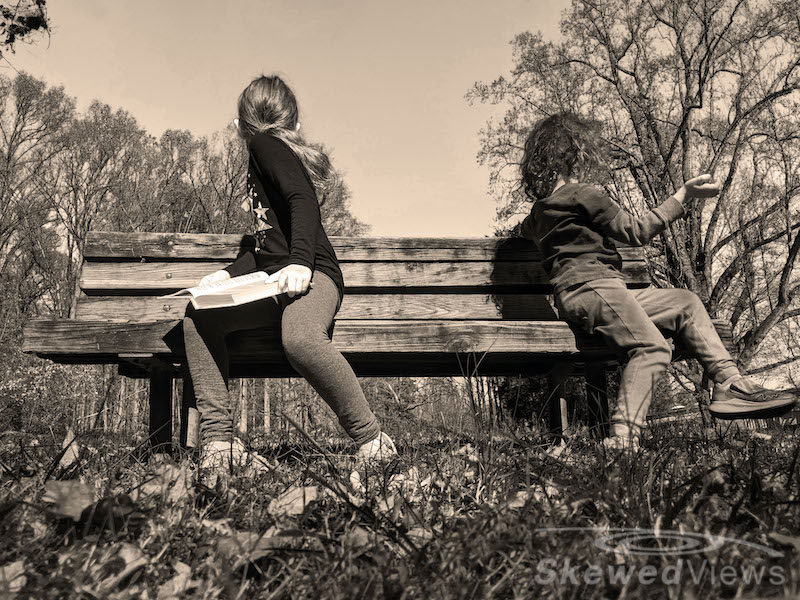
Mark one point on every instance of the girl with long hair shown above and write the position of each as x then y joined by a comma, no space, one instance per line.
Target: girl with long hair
287,178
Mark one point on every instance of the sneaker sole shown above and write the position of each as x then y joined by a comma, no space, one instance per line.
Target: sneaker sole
765,410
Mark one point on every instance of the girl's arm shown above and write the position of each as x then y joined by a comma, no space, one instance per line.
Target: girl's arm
244,263
285,171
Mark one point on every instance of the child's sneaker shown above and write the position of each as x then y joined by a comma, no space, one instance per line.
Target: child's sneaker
381,449
743,399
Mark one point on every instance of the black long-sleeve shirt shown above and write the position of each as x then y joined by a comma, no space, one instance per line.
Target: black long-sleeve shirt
574,228
288,224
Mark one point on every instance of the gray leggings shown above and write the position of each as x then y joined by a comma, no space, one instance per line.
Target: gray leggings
305,323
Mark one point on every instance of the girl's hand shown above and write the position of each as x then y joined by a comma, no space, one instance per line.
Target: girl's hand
702,186
214,277
293,279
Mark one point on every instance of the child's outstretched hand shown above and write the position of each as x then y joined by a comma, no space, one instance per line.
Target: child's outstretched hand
702,186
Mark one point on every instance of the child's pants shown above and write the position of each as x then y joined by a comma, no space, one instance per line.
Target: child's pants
632,322
305,334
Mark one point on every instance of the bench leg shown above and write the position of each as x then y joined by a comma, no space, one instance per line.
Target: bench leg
556,400
597,397
161,408
190,418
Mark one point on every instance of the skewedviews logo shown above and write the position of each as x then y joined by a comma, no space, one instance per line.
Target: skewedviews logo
684,547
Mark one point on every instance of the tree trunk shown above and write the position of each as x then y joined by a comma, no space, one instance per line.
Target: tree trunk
267,407
244,399
122,402
134,410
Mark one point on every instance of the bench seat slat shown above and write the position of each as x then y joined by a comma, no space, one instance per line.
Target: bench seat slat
117,246
375,277
139,309
65,340
55,338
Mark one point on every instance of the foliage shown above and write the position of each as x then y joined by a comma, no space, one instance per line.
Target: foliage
502,516
680,89
20,19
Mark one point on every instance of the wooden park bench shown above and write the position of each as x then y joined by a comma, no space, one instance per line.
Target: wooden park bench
412,307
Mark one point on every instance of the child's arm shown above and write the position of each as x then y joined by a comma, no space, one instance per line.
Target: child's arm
638,231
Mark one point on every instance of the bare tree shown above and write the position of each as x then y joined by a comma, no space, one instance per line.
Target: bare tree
101,149
32,121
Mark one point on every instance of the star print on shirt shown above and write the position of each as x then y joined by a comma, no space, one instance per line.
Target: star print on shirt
261,212
251,203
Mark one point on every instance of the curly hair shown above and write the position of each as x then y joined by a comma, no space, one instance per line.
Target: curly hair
563,144
267,104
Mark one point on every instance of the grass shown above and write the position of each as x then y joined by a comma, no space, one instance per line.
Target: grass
495,516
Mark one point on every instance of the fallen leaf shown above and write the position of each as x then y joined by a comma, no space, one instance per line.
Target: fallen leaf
222,526
385,504
294,500
247,546
113,513
787,540
126,557
469,452
180,583
12,578
355,482
518,500
167,482
68,497
420,535
71,449
357,539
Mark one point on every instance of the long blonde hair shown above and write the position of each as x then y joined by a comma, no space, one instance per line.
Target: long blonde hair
269,105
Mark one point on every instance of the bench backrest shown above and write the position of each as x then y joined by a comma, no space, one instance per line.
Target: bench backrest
386,278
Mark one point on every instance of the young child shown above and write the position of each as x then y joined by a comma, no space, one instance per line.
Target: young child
575,226
284,178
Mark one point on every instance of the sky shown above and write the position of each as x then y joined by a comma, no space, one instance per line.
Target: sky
380,83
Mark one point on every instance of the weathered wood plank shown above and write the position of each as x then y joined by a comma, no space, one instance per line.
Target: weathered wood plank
69,337
143,277
142,309
117,246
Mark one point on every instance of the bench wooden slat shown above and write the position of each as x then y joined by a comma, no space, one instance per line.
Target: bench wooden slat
375,277
64,337
105,246
133,309
64,340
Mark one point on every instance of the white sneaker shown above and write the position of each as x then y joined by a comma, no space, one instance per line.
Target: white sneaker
621,444
381,449
221,455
